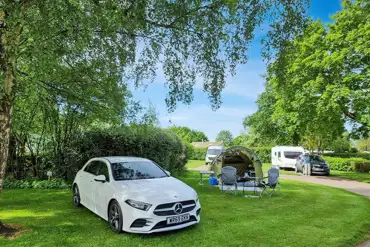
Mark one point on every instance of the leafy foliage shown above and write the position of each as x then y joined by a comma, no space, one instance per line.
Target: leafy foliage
319,79
225,136
340,145
10,183
161,146
364,145
188,135
197,153
348,164
349,155
72,61
263,153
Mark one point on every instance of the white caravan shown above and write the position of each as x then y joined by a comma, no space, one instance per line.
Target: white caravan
213,151
285,156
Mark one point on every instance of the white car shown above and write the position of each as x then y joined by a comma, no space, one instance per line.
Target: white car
135,195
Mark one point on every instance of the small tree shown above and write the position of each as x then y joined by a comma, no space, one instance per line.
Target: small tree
225,136
364,145
340,145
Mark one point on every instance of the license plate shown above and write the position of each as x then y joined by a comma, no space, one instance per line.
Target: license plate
178,219
320,170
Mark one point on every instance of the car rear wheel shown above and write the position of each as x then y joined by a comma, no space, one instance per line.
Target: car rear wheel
76,196
115,217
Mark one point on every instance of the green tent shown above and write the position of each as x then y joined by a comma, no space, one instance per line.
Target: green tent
243,159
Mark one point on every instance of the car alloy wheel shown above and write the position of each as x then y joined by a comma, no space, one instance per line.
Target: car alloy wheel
115,217
76,196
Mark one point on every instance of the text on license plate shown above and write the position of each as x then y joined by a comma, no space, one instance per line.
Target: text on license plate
178,219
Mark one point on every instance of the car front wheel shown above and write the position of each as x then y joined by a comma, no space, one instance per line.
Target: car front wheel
115,217
76,196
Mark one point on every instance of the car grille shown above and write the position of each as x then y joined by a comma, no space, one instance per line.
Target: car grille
168,208
163,224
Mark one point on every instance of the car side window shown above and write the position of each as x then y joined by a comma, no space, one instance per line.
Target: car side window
92,167
103,170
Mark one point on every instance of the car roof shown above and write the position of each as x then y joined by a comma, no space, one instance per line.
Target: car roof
116,159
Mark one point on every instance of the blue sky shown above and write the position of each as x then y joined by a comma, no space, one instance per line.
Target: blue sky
238,97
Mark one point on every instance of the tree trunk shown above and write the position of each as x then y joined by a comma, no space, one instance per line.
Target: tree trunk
9,42
5,128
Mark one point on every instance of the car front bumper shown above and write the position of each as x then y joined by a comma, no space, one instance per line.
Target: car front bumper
320,171
155,223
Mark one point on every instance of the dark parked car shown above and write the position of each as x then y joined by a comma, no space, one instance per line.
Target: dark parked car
318,165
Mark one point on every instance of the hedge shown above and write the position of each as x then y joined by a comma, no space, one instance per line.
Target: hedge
196,153
348,164
263,153
10,183
349,155
159,145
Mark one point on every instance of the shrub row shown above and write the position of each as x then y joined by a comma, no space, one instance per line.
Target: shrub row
10,183
159,145
349,155
348,164
196,153
263,153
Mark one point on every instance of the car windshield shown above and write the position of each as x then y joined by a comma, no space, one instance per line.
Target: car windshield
214,151
316,158
135,170
291,155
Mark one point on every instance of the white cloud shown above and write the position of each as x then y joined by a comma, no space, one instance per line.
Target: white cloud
203,118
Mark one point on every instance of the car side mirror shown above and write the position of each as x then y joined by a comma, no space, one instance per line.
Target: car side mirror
168,173
100,178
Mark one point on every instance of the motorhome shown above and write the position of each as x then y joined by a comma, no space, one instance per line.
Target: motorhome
213,151
285,156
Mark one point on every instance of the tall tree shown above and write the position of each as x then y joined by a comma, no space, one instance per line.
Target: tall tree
82,49
225,136
320,80
188,135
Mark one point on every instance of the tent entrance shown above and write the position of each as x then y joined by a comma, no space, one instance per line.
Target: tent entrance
243,159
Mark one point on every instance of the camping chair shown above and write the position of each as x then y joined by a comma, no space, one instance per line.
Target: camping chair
229,180
272,182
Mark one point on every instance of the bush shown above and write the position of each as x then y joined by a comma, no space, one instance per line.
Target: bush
349,155
10,183
161,146
348,164
197,153
263,153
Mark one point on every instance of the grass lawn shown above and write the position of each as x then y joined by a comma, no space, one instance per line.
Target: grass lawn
359,176
301,215
267,166
195,163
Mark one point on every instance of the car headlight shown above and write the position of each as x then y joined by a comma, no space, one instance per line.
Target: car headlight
139,205
197,199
